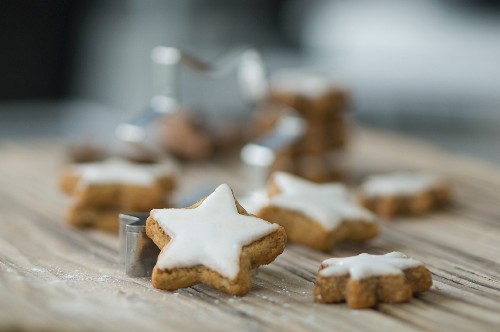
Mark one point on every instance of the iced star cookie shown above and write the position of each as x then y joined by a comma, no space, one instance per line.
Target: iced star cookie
404,193
116,171
319,216
101,190
313,94
214,242
364,280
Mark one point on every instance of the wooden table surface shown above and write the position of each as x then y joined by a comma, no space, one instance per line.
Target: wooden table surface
56,278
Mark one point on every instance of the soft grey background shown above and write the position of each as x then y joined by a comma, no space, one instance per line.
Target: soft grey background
426,68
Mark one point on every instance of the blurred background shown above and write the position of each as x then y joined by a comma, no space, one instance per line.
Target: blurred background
430,69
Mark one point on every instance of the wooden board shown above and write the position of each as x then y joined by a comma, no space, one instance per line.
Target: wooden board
55,278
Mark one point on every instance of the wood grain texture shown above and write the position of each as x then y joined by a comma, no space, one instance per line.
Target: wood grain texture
56,278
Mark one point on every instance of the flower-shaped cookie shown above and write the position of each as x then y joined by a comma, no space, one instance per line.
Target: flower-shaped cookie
364,280
214,242
317,215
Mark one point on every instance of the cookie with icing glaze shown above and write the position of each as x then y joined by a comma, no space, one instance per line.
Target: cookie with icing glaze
403,193
213,242
102,190
313,94
116,171
319,216
364,280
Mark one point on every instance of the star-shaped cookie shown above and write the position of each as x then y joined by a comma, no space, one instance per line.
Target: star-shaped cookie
119,183
214,242
404,193
102,190
115,171
365,279
317,215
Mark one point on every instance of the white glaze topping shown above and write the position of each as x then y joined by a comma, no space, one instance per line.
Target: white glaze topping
211,234
254,201
328,204
399,183
115,170
366,265
306,83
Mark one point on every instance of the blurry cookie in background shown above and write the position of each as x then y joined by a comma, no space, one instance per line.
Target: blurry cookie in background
101,190
323,106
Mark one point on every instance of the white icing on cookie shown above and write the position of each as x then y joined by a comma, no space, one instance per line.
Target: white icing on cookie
399,183
305,83
211,234
366,265
117,170
254,201
328,204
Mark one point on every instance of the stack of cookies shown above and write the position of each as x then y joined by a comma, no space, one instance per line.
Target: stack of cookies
317,155
102,190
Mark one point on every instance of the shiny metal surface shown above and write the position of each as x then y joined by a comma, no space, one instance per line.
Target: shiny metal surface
137,250
166,62
262,152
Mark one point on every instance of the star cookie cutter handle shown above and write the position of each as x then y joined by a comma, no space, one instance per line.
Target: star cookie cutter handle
288,129
259,155
137,250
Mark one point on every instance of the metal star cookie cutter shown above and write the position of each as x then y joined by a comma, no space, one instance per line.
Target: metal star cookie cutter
138,252
167,61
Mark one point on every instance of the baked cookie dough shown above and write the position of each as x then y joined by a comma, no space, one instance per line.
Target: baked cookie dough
214,242
102,190
404,193
319,216
364,280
